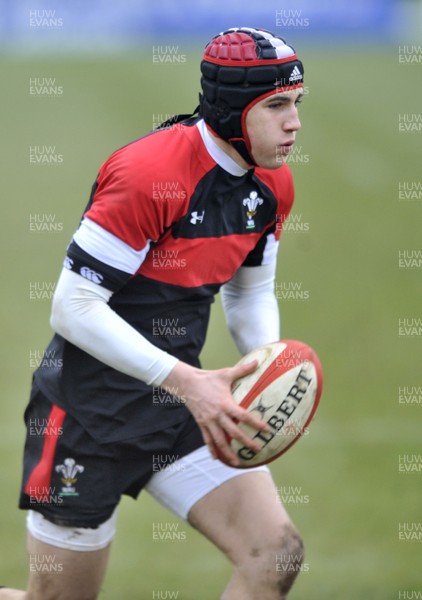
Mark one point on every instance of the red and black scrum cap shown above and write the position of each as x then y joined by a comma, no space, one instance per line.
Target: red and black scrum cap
241,66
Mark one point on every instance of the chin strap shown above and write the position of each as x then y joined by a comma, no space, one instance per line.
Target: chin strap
239,145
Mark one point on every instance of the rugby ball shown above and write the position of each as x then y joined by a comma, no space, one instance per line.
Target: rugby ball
284,391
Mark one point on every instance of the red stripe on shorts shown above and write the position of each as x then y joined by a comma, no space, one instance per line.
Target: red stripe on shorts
38,484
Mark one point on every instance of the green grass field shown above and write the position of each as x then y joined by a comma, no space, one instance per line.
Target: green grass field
350,160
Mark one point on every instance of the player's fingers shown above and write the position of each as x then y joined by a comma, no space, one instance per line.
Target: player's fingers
236,433
209,441
222,445
239,371
250,419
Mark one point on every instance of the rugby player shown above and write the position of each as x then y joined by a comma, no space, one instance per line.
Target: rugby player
191,209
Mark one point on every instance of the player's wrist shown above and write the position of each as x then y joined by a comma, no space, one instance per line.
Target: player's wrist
181,380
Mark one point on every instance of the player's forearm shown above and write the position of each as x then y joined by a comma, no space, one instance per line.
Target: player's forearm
253,325
82,316
251,308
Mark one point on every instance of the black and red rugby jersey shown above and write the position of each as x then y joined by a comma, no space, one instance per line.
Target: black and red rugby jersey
193,223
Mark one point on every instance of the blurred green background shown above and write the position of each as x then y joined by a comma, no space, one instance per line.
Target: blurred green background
353,158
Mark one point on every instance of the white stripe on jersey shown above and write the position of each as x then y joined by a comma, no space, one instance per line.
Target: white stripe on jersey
109,249
270,250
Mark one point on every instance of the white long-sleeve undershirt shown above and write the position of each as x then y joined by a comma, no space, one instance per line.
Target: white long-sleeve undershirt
82,315
251,308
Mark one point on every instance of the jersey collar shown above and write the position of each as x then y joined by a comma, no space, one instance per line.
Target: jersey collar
217,154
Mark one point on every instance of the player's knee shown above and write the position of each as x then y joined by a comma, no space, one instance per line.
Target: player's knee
275,567
272,567
288,559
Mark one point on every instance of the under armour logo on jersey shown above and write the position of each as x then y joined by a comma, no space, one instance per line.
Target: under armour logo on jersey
252,203
195,217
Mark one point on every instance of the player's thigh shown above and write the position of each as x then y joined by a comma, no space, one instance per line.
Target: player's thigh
244,517
59,574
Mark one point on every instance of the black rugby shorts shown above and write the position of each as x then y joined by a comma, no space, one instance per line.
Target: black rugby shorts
74,481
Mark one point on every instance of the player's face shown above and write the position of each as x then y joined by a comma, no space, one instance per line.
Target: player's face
272,125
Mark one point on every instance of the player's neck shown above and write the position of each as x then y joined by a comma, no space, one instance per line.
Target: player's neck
230,151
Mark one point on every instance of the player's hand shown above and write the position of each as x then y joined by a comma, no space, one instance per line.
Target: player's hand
207,395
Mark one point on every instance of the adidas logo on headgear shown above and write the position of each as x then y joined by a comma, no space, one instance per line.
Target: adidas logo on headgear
295,75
